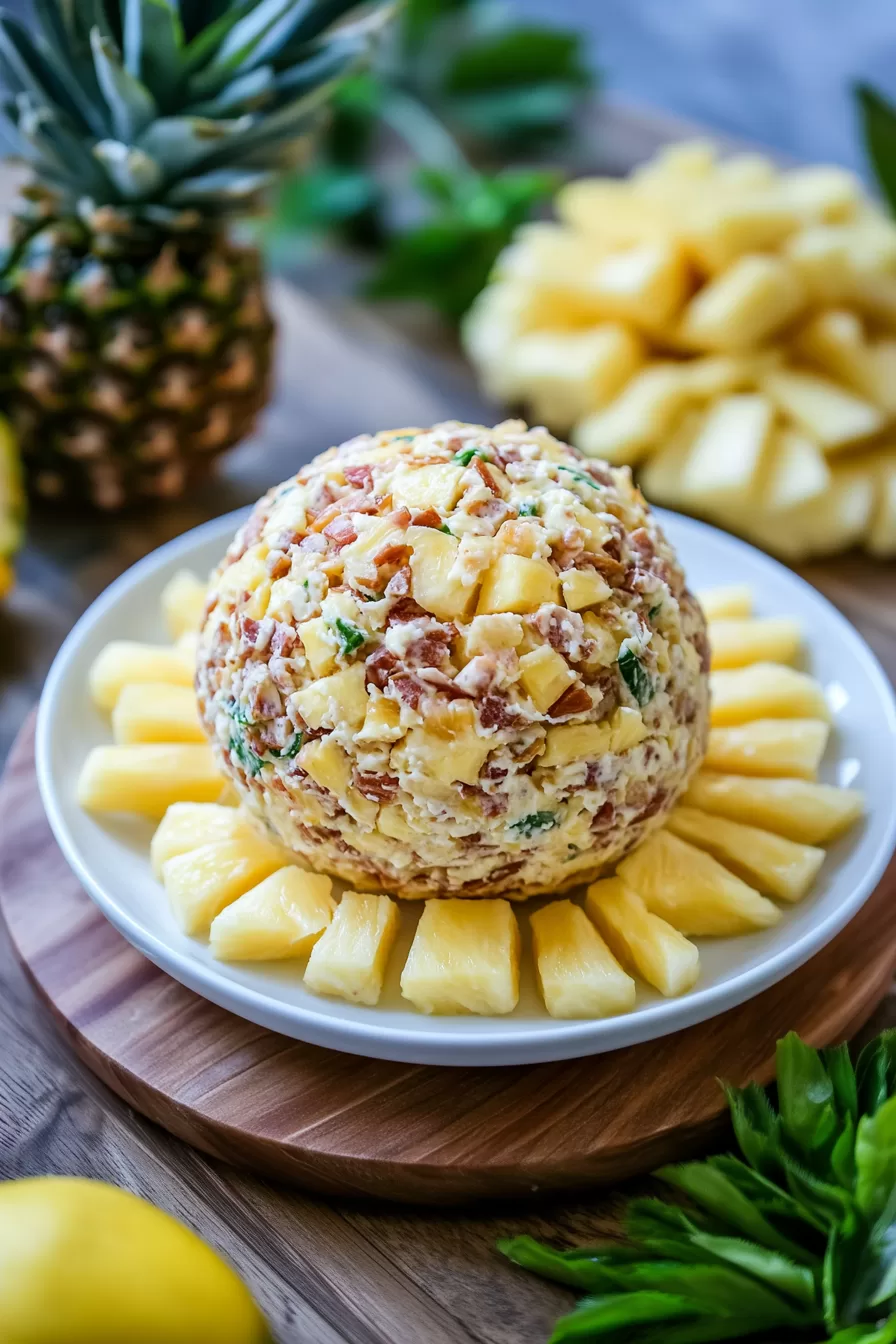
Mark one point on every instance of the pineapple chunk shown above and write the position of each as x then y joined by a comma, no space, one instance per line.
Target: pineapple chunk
835,340
797,474
569,742
350,959
339,698
183,603
186,826
583,588
661,476
738,643
200,882
319,646
791,748
826,412
281,917
724,460
156,712
382,721
643,943
517,584
327,764
446,759
147,778
777,866
577,973
811,814
765,691
566,374
734,602
436,588
638,418
465,958
881,540
692,891
725,228
645,284
744,305
124,661
438,486
545,675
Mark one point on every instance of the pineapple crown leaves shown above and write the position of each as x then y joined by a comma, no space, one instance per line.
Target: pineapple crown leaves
162,105
797,1236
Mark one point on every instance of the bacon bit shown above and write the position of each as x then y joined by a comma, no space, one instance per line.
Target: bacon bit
495,712
656,804
479,675
392,554
574,700
405,609
360,477
613,548
642,542
431,649
400,583
409,688
248,631
341,531
605,817
564,630
614,571
312,542
485,476
277,564
491,804
493,511
602,475
400,517
324,517
495,772
380,788
428,518
380,666
283,640
506,871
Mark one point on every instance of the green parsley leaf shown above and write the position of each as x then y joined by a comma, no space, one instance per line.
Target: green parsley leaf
247,758
535,822
528,508
288,753
445,528
635,677
350,637
878,119
466,455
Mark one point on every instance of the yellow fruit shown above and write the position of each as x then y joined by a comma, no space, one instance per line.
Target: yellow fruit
334,700
577,973
125,660
642,942
438,486
693,892
183,603
147,778
734,602
744,305
544,676
765,691
350,959
282,917
810,813
319,645
777,866
726,455
186,826
86,1263
516,583
436,588
567,374
788,748
202,881
639,417
828,413
465,958
156,712
739,643
583,588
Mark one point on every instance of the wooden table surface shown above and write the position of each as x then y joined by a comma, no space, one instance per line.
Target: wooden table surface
326,1273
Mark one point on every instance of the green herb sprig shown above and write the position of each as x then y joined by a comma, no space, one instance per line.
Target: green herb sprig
635,675
797,1236
535,822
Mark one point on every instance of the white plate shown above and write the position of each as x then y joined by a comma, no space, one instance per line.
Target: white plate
110,856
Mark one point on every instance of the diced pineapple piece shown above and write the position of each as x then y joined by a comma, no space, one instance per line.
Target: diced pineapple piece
123,661
565,374
438,486
797,473
327,764
186,826
733,602
692,891
661,477
339,698
828,413
545,675
715,375
487,633
744,305
433,556
583,588
465,958
778,866
147,778
725,458
645,284
822,191
577,973
282,917
765,691
837,519
200,882
183,602
724,228
382,721
156,712
642,942
835,341
776,639
627,729
789,748
569,742
517,584
638,418
811,814
881,539
444,759
350,959
608,209
319,646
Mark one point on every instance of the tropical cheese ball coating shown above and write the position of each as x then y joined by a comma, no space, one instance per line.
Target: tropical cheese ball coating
455,660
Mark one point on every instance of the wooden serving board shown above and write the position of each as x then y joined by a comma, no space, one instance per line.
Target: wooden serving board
345,1125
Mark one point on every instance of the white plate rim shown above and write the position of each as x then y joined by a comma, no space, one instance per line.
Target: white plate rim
546,1040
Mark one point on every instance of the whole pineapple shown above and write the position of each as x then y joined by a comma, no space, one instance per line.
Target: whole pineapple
134,336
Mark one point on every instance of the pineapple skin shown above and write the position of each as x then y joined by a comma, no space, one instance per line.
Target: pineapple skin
127,361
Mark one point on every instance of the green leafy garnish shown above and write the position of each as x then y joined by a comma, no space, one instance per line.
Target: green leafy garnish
794,1239
878,119
636,678
655,611
248,759
466,455
350,637
582,477
534,822
528,508
288,753
445,528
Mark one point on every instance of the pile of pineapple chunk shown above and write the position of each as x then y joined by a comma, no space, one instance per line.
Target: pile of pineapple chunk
748,834
727,329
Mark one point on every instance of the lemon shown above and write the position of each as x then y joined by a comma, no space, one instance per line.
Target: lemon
86,1263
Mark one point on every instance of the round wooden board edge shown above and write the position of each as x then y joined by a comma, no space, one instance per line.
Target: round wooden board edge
412,1180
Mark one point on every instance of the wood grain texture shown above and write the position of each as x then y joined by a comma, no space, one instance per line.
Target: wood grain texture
327,1271
349,1126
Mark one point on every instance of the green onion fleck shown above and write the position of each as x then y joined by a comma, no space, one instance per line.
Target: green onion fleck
528,508
534,822
466,455
350,637
635,677
581,476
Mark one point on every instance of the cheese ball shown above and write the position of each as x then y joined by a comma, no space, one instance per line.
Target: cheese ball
455,661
